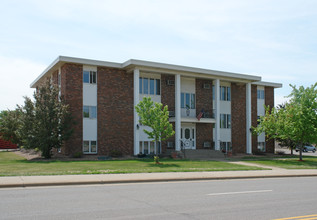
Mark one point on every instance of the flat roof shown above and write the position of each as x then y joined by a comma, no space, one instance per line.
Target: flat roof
152,67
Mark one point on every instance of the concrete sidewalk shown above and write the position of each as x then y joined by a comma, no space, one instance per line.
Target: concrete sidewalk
29,181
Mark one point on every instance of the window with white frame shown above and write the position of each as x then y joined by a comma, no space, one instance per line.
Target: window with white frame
149,147
188,100
89,147
90,77
225,93
149,86
261,146
261,94
89,111
225,121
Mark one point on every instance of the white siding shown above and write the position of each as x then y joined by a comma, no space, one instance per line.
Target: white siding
261,112
90,99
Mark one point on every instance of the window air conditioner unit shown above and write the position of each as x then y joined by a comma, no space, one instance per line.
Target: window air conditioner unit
206,86
170,144
207,144
170,82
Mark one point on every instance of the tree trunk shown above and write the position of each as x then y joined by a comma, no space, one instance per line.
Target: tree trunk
292,150
301,152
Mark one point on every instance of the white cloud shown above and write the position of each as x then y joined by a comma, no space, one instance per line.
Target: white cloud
16,76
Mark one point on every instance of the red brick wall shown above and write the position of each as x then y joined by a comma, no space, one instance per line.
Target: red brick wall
55,77
72,92
203,133
168,92
203,101
203,96
254,115
238,117
269,101
115,111
168,98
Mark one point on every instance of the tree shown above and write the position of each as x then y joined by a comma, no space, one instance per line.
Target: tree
289,143
10,122
27,126
52,120
297,121
44,124
155,116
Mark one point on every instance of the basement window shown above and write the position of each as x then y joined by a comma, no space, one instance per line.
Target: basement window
89,147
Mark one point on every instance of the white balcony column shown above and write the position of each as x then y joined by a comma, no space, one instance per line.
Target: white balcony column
217,114
248,119
177,112
136,82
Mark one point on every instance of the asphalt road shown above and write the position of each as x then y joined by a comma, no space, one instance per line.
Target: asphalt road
218,199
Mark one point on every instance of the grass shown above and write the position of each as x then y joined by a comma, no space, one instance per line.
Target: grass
286,162
15,165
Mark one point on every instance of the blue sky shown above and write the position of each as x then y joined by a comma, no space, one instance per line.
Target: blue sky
276,39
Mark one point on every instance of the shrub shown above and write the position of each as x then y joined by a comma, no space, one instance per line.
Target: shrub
115,153
78,155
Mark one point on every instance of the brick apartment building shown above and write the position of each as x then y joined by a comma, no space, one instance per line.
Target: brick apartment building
102,96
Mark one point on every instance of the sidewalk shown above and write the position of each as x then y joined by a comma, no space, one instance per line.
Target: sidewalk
29,181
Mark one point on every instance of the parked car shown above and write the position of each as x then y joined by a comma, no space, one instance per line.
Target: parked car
306,148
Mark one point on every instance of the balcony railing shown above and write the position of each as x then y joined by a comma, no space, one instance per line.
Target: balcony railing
206,114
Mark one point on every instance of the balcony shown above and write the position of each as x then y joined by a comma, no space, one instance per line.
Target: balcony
189,115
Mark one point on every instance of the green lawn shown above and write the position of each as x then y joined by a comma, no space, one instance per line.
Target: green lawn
288,162
14,165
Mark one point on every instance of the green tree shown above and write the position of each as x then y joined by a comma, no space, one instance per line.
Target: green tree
27,126
155,116
52,120
297,121
10,123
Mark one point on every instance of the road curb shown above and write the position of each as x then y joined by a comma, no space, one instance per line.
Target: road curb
122,181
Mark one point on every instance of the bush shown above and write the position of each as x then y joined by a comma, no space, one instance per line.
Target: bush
78,155
115,153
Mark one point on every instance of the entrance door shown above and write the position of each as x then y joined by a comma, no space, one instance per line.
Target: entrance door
188,137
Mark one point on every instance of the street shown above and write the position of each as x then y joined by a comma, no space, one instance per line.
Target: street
268,198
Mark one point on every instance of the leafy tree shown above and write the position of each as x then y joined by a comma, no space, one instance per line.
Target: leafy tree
10,122
297,121
27,126
44,124
155,116
287,142
52,120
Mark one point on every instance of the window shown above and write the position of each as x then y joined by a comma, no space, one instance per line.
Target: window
188,100
140,85
158,86
90,147
225,121
149,86
261,94
89,111
225,93
145,86
90,77
149,147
